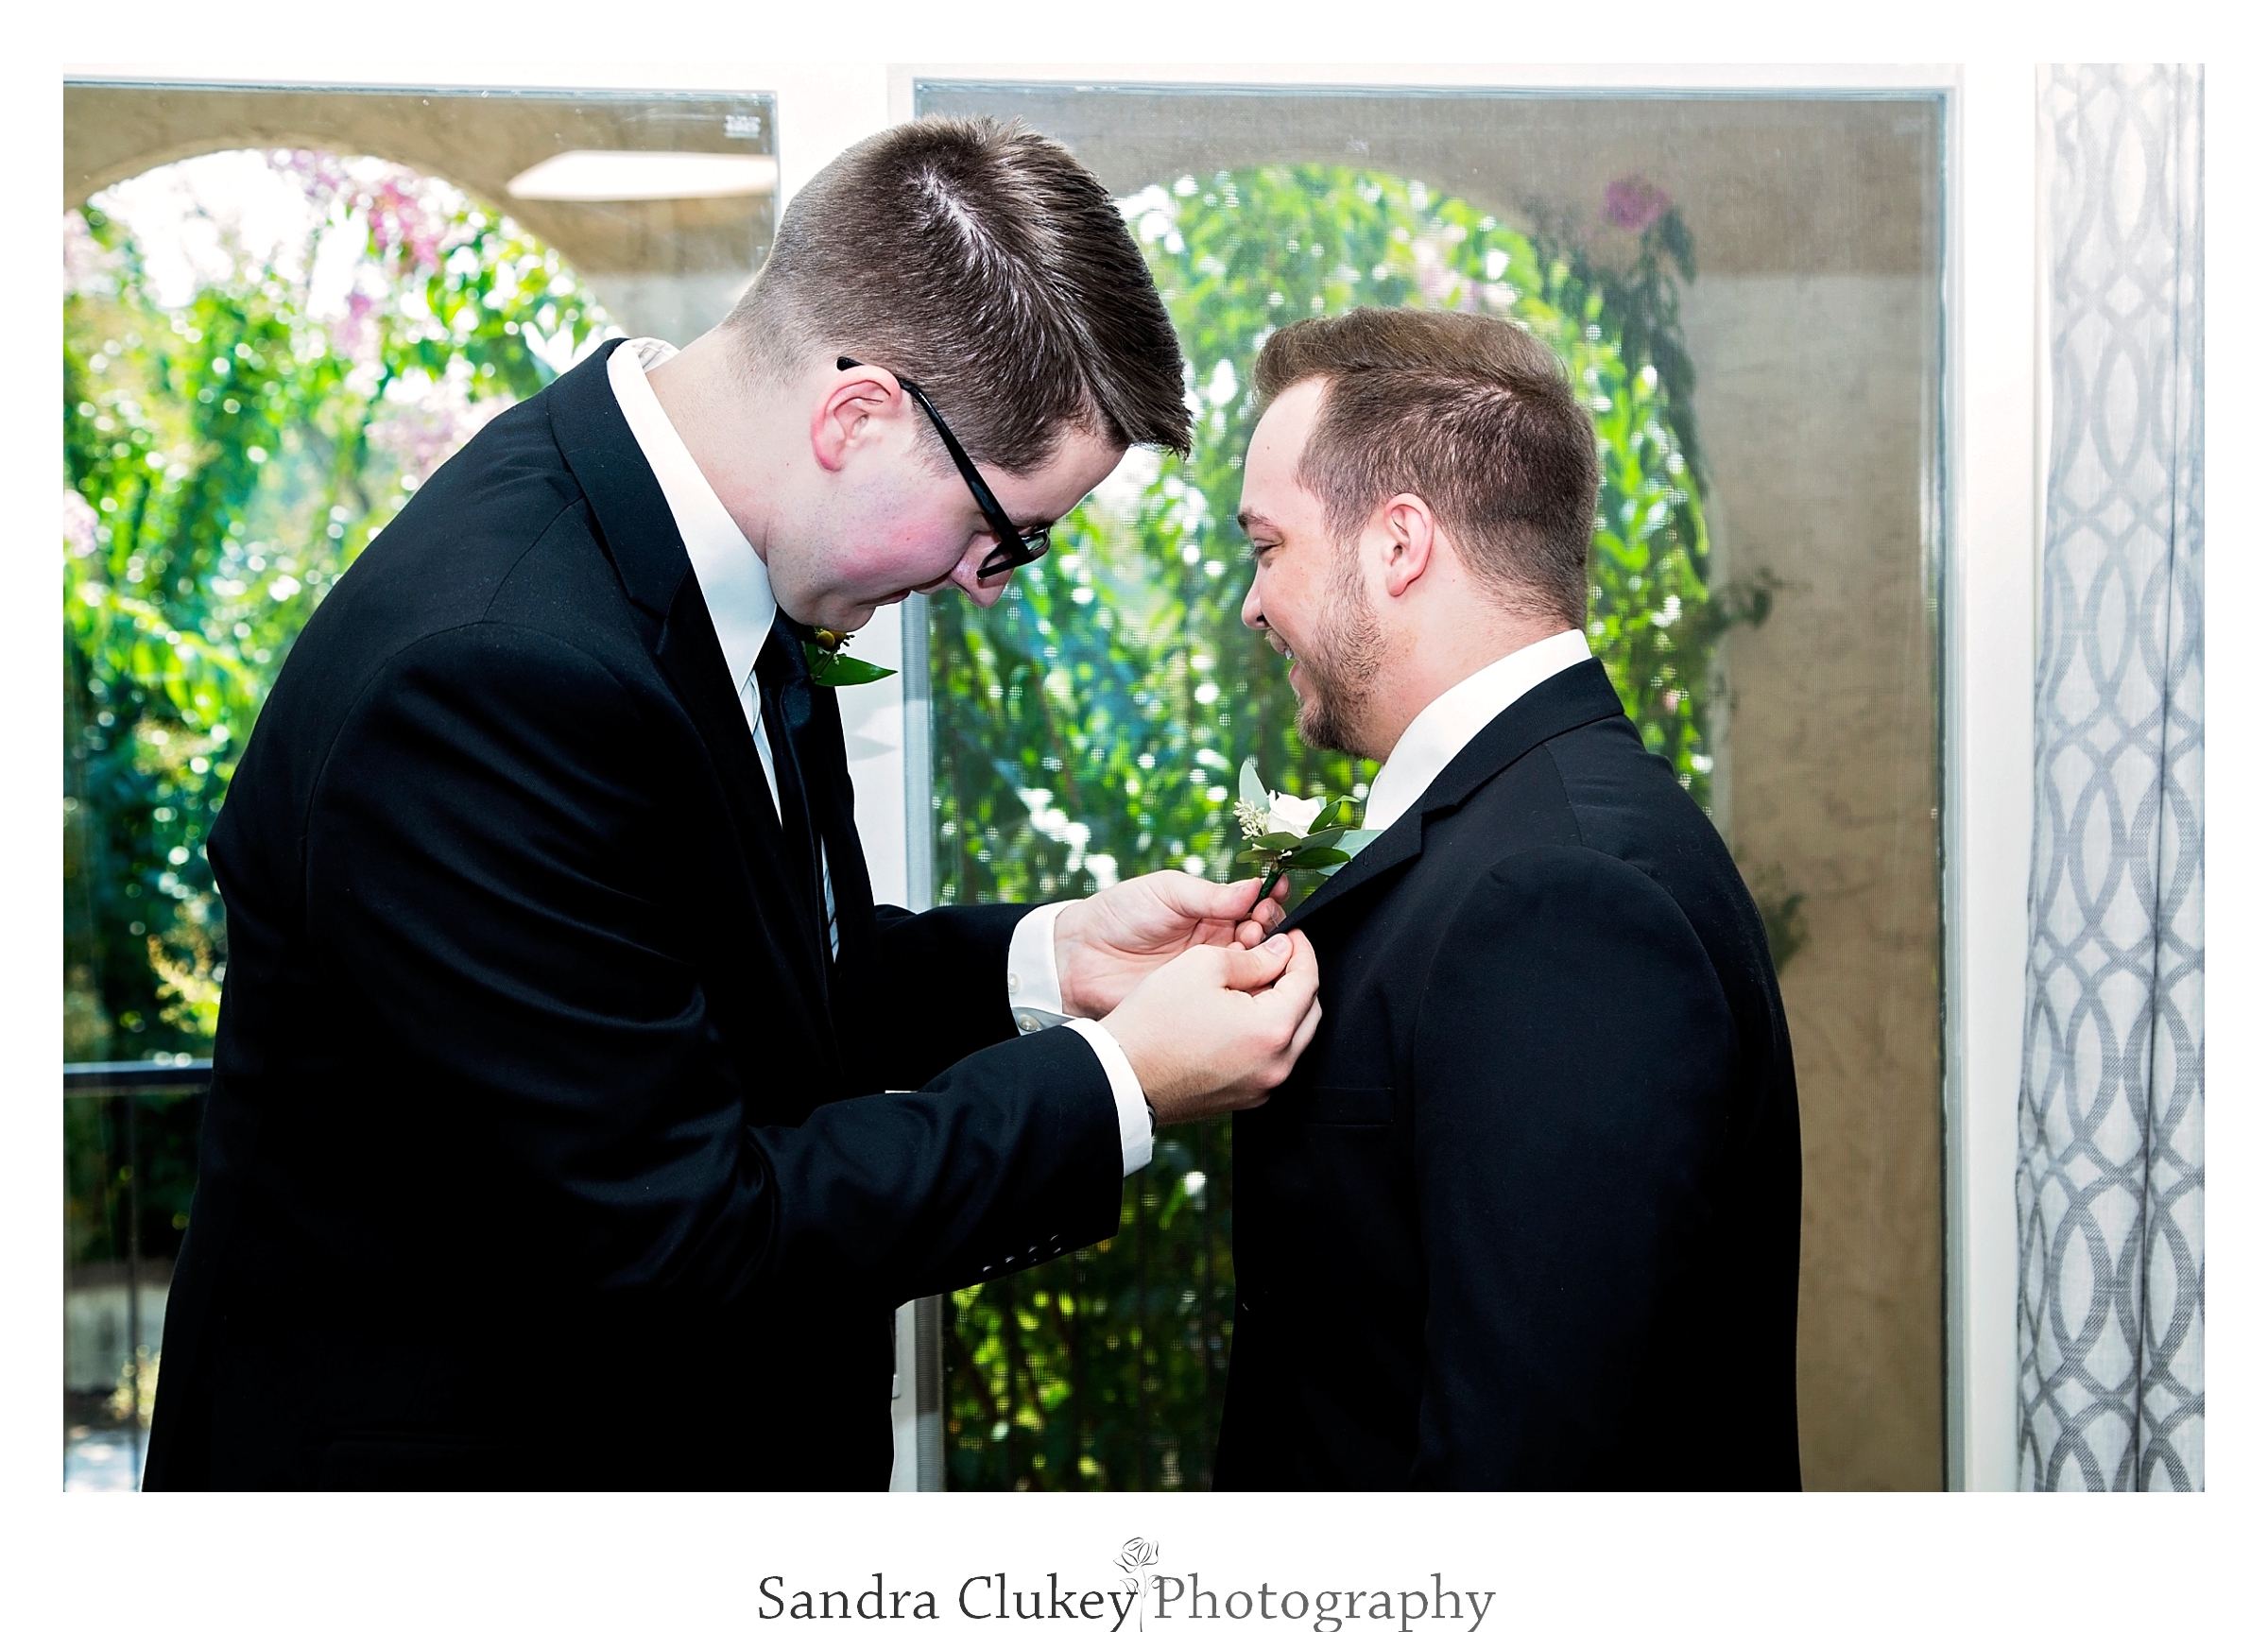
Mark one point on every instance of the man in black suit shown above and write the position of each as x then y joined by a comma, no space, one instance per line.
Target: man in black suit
548,1142
1526,1215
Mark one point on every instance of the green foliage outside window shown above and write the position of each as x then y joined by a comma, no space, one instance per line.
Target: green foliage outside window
224,461
1089,725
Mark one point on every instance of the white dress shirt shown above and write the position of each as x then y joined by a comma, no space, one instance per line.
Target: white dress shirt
737,589
1444,725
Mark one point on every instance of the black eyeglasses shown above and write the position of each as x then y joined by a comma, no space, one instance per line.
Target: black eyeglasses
1014,548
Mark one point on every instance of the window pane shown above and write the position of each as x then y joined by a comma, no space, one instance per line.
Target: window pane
281,311
1747,289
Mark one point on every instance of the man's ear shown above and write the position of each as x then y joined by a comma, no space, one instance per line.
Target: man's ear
1412,536
857,405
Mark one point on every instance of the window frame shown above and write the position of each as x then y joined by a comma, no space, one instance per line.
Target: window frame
1992,430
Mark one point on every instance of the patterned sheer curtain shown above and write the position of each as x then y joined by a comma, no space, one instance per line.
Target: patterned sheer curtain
2111,1186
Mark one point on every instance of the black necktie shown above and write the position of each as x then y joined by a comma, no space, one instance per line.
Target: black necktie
806,731
784,688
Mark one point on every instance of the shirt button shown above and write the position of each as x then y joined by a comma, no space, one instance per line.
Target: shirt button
1014,984
1026,1023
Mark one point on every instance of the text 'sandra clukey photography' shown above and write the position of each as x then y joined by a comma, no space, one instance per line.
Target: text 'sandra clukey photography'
1141,1596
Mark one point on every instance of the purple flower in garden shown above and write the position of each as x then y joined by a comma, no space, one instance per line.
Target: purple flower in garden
79,522
354,333
87,266
425,421
400,217
1634,204
321,176
404,209
1438,283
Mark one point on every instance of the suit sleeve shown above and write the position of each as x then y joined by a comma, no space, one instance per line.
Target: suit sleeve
480,864
943,974
1571,1065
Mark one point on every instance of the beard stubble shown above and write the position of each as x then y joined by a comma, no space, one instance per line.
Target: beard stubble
1342,663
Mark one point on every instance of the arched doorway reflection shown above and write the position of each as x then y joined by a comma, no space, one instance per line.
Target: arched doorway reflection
1090,724
272,339
1806,287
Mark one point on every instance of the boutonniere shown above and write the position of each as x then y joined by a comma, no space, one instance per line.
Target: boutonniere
1309,839
831,666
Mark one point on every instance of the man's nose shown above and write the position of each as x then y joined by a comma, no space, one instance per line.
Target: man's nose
984,592
1254,617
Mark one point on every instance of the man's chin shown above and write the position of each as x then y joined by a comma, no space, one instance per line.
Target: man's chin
1321,727
844,617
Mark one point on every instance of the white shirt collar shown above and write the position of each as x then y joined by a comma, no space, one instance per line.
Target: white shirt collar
733,581
1444,725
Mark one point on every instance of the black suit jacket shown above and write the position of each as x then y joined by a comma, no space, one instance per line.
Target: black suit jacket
544,1146
1525,1214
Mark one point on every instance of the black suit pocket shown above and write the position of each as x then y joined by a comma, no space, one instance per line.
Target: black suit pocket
1333,1107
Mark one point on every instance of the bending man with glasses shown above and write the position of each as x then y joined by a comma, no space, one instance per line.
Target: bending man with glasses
550,1140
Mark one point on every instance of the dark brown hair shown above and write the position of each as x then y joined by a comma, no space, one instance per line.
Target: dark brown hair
986,264
1472,415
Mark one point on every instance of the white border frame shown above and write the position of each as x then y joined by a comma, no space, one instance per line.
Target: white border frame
1990,553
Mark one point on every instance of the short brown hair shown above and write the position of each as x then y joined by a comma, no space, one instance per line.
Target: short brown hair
987,263
1469,413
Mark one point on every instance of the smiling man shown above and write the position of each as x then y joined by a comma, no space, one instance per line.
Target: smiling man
548,1141
1526,1215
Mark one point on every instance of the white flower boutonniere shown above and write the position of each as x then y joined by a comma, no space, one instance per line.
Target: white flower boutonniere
1284,835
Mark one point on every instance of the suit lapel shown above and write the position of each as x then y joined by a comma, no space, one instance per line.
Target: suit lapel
1398,845
640,536
1570,699
689,654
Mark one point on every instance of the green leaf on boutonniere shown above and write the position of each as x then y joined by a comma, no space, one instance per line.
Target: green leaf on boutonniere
840,668
1315,860
1354,842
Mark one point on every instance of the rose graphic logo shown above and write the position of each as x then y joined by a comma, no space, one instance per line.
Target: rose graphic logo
1137,1555
1134,1561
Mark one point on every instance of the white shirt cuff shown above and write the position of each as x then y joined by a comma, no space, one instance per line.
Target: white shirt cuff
1133,1109
1036,999
1033,981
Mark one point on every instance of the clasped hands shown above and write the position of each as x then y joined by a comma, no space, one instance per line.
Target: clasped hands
1211,1011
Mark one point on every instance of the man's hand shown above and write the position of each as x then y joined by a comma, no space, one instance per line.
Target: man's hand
1109,943
1219,1027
